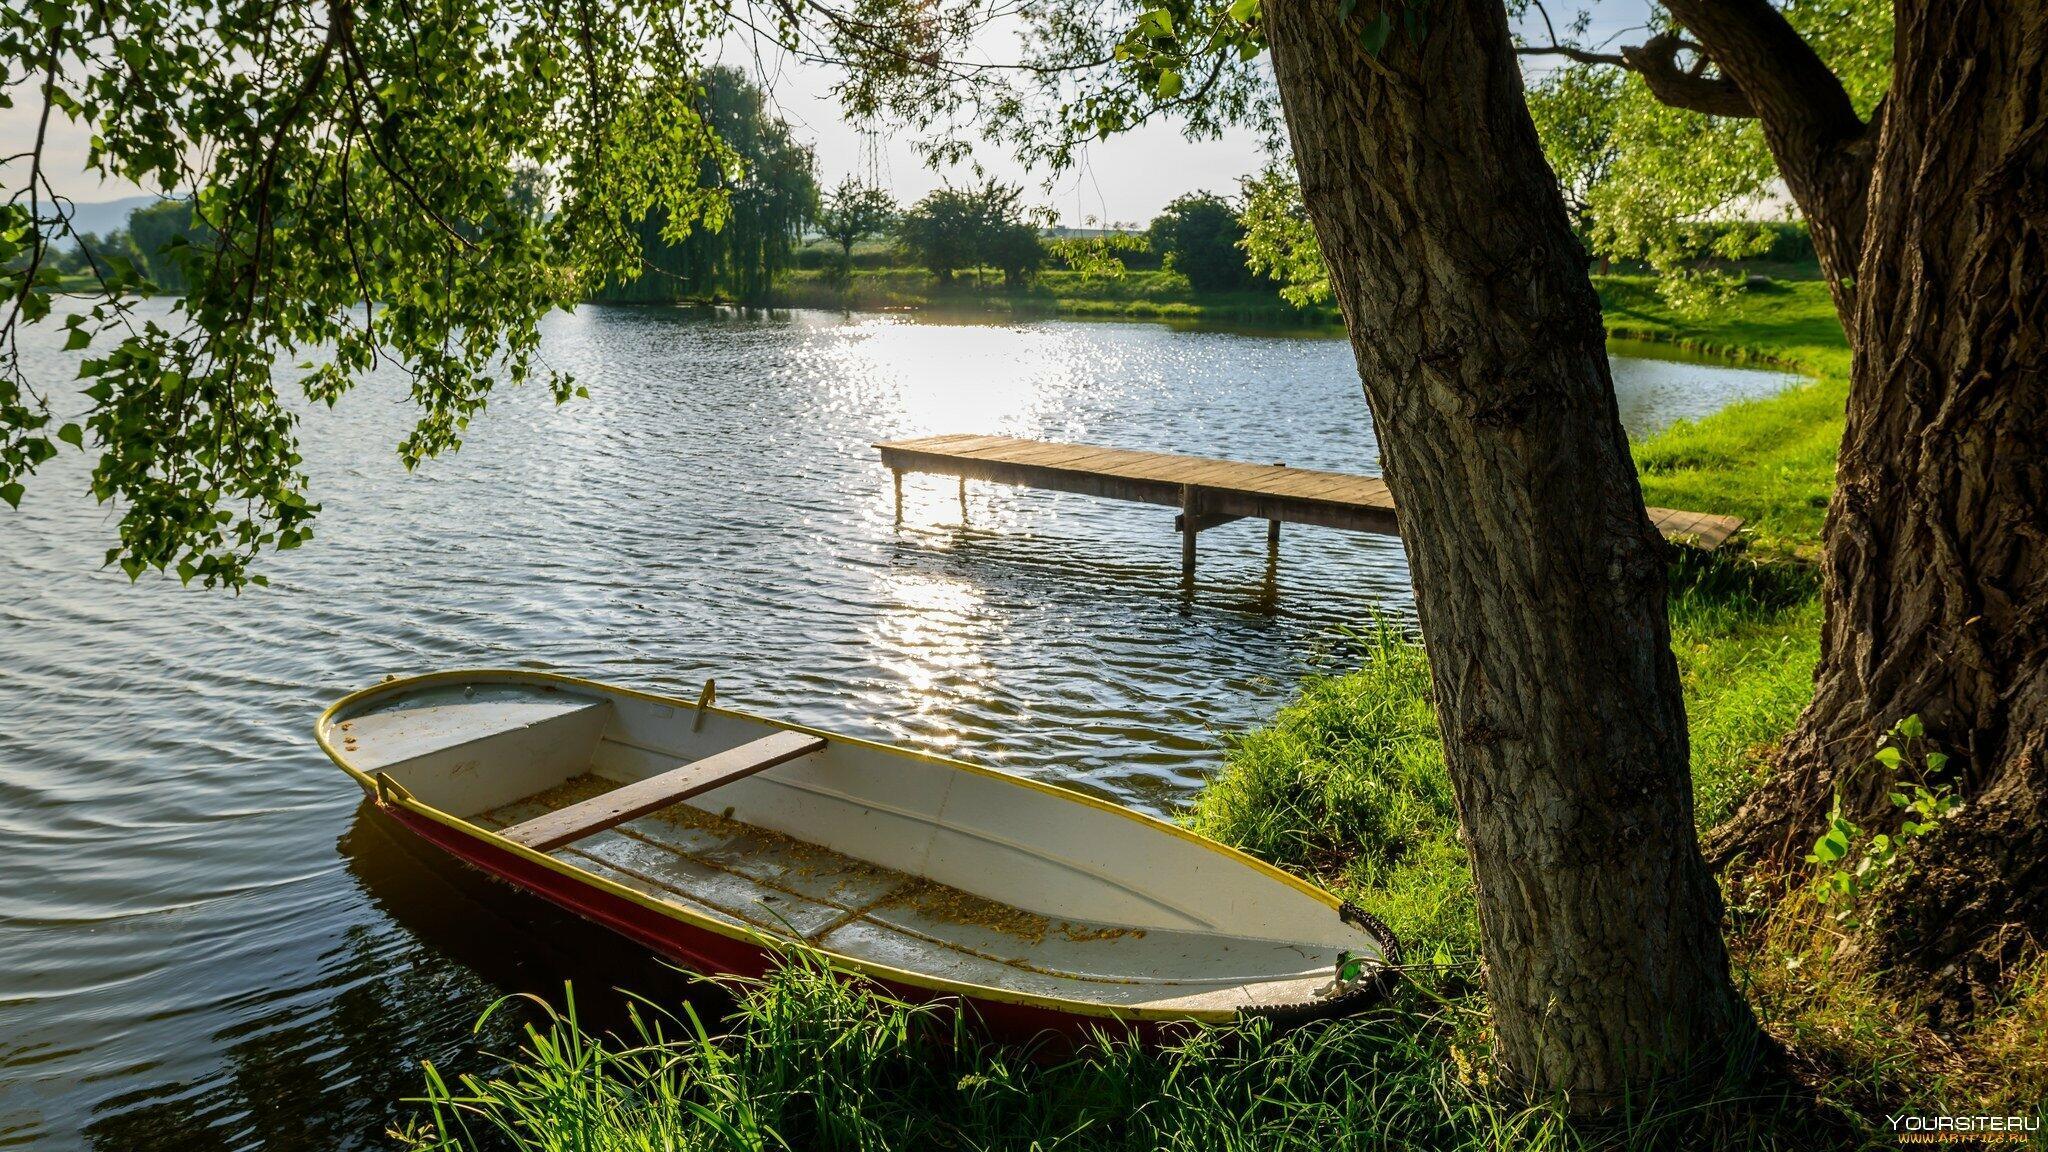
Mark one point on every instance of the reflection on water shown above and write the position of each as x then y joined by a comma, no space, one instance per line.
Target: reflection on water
382,1011
205,941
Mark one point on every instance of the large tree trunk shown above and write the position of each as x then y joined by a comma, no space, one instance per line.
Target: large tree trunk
1936,556
1539,580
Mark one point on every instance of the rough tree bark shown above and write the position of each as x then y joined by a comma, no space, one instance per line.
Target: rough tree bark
1540,583
1936,548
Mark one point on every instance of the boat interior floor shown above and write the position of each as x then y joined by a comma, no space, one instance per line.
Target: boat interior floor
762,880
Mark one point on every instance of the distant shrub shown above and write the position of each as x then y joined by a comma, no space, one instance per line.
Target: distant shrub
1199,236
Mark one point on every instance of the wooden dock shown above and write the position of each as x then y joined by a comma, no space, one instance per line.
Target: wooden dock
1207,492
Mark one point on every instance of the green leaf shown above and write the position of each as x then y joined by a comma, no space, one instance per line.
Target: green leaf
72,434
1247,11
12,494
1890,757
1373,36
1830,848
1169,84
1416,22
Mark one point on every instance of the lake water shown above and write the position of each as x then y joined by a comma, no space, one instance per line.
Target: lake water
207,942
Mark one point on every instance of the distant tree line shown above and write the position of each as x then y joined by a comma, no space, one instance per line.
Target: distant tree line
147,244
776,219
772,197
962,230
775,207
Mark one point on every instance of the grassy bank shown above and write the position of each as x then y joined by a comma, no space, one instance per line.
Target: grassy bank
1347,784
1141,295
1770,461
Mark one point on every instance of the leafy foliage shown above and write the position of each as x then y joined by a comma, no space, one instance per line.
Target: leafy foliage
1644,181
1199,236
961,229
1670,187
1098,257
1661,185
1575,109
364,187
1082,73
770,195
1850,863
852,213
1279,241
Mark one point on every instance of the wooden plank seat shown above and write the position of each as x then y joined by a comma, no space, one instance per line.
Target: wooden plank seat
610,809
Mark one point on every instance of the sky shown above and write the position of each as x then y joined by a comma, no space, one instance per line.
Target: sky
1126,180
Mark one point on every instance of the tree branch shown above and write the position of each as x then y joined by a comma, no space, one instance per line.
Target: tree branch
1572,52
1823,148
1656,61
1784,78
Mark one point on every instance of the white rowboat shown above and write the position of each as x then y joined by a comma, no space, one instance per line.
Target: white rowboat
716,837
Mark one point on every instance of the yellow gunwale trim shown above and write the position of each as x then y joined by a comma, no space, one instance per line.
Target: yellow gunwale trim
397,797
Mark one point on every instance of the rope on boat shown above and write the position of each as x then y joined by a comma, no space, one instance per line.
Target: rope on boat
1367,993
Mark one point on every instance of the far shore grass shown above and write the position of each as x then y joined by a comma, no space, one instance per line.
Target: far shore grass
1347,785
1137,295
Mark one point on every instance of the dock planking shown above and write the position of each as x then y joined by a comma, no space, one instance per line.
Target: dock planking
1207,491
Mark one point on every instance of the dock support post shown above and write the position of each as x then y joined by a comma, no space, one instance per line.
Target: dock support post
1272,535
1190,524
963,500
898,474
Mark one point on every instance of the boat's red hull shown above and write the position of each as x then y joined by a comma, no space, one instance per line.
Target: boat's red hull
713,953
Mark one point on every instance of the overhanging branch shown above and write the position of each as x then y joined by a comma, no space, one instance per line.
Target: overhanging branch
1747,60
1656,61
1571,52
1823,148
1785,80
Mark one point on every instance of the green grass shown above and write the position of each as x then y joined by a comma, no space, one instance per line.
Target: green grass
1134,295
1769,461
1347,784
1788,323
814,1061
